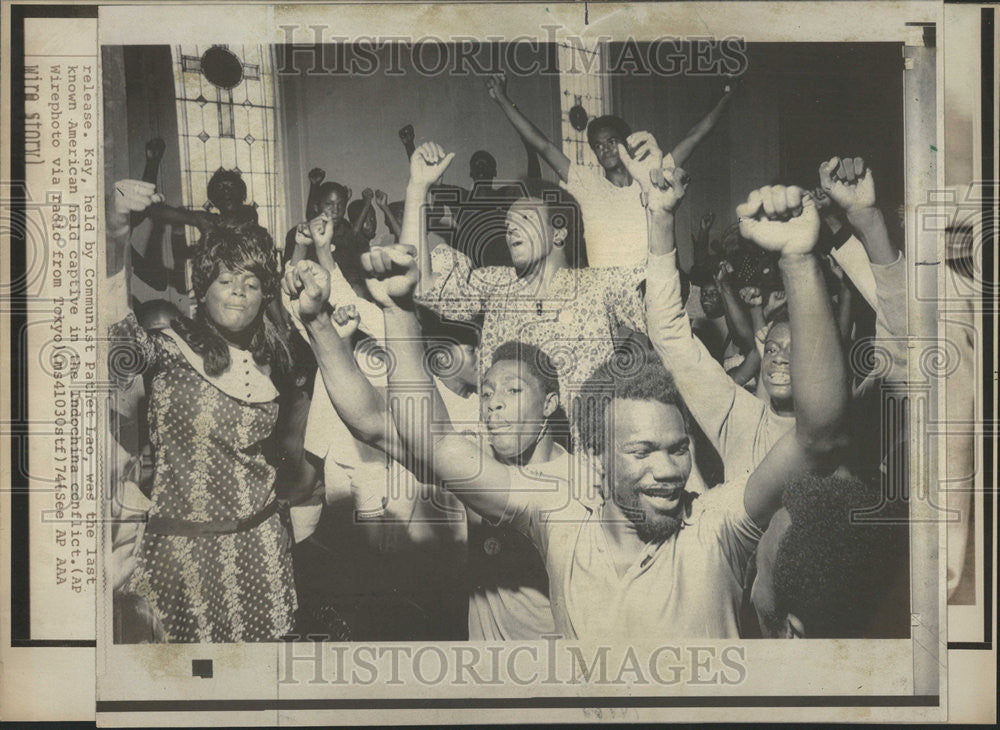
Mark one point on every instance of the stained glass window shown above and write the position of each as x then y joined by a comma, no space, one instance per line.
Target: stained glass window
583,83
232,128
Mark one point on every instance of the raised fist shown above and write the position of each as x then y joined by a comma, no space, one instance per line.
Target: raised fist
774,300
428,163
643,159
496,86
751,296
368,194
381,199
780,219
134,196
321,230
707,220
302,235
724,274
155,149
392,274
665,199
848,182
346,320
316,176
309,283
406,134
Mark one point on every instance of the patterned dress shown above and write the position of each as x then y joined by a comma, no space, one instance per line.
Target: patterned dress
208,439
574,322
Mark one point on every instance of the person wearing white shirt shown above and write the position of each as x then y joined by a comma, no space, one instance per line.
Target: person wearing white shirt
642,559
518,425
614,219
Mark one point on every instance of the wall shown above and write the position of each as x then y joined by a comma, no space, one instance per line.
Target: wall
348,125
798,105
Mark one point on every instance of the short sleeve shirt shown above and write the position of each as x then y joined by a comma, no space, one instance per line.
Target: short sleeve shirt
687,587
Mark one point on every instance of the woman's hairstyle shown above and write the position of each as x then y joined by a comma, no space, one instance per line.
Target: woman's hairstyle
563,211
222,175
247,249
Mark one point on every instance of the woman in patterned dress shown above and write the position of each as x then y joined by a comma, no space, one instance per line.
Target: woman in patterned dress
572,314
214,562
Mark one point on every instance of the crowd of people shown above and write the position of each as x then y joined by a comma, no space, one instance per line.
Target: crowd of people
512,415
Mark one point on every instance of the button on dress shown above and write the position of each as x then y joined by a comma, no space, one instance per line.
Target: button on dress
208,437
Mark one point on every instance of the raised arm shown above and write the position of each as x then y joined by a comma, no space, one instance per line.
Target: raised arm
530,134
699,131
534,169
127,197
428,163
737,317
355,399
382,201
786,220
708,391
845,301
406,137
850,184
174,216
316,177
457,463
369,197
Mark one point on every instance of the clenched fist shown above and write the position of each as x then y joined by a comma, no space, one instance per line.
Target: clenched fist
779,218
134,196
309,283
643,159
848,182
392,274
666,197
428,163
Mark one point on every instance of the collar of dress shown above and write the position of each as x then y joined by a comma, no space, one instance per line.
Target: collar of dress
244,380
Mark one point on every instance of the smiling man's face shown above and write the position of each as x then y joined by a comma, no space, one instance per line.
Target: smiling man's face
776,365
651,464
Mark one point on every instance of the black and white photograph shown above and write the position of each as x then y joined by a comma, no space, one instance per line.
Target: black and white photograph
535,377
559,362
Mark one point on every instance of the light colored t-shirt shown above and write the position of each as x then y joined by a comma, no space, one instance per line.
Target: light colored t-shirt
688,587
415,514
742,427
614,220
512,603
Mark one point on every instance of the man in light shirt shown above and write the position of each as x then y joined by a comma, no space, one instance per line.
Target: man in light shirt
641,558
614,220
521,424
